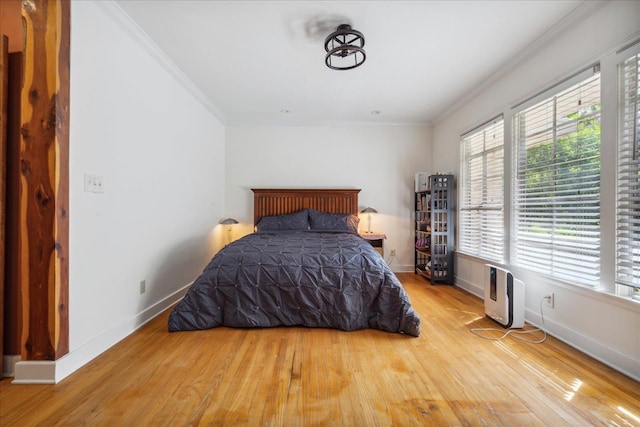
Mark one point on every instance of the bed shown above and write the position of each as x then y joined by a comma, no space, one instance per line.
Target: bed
305,265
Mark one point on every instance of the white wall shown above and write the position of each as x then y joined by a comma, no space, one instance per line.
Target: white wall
162,156
598,323
380,160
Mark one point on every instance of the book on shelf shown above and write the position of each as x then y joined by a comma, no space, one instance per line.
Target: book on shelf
423,203
421,181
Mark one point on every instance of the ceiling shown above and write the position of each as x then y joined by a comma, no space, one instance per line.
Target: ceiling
262,61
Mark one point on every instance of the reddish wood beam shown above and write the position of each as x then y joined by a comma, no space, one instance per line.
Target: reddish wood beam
44,180
4,96
12,295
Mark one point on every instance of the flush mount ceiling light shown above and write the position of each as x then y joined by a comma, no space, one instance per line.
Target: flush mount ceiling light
344,48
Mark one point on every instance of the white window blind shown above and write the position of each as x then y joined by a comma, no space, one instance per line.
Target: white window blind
482,192
556,196
628,204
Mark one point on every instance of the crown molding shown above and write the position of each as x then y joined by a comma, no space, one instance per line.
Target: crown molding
124,21
292,122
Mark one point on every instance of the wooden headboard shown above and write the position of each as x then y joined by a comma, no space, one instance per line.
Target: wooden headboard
267,202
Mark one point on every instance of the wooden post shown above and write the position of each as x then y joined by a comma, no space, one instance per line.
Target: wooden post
12,295
44,180
4,85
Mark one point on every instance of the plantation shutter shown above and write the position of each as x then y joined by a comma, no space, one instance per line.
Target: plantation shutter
628,209
482,196
556,199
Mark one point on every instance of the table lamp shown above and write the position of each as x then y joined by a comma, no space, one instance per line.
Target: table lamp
369,211
229,222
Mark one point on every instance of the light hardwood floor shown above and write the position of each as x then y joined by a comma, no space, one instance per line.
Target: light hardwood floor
316,377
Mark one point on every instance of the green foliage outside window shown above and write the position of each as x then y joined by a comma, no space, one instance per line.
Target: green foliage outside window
563,174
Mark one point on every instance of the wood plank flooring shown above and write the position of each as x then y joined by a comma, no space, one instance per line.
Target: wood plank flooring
316,377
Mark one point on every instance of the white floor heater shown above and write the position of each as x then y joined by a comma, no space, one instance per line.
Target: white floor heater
503,297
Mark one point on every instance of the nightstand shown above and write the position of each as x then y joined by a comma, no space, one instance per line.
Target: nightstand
376,239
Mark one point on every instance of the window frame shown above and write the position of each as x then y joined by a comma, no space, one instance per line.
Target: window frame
608,286
627,277
485,210
559,271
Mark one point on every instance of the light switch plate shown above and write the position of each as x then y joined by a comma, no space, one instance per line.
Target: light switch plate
93,183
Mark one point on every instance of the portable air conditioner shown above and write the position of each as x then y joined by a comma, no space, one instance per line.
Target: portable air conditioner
503,297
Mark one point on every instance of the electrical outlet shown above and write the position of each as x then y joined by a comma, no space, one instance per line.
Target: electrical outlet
143,286
393,252
550,300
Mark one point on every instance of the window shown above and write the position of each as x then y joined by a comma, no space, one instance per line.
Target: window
556,189
628,203
482,192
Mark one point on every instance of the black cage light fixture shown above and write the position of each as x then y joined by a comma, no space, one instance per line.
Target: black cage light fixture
344,48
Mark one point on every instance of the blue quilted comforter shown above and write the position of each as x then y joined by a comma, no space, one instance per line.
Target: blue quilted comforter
297,278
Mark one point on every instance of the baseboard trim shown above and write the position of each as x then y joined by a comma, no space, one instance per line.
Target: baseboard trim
602,353
402,268
52,372
35,372
9,364
610,357
472,288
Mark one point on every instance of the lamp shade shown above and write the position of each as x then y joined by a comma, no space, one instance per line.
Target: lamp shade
368,210
229,221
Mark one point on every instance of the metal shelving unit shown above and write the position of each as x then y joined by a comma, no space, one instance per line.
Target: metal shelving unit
434,229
